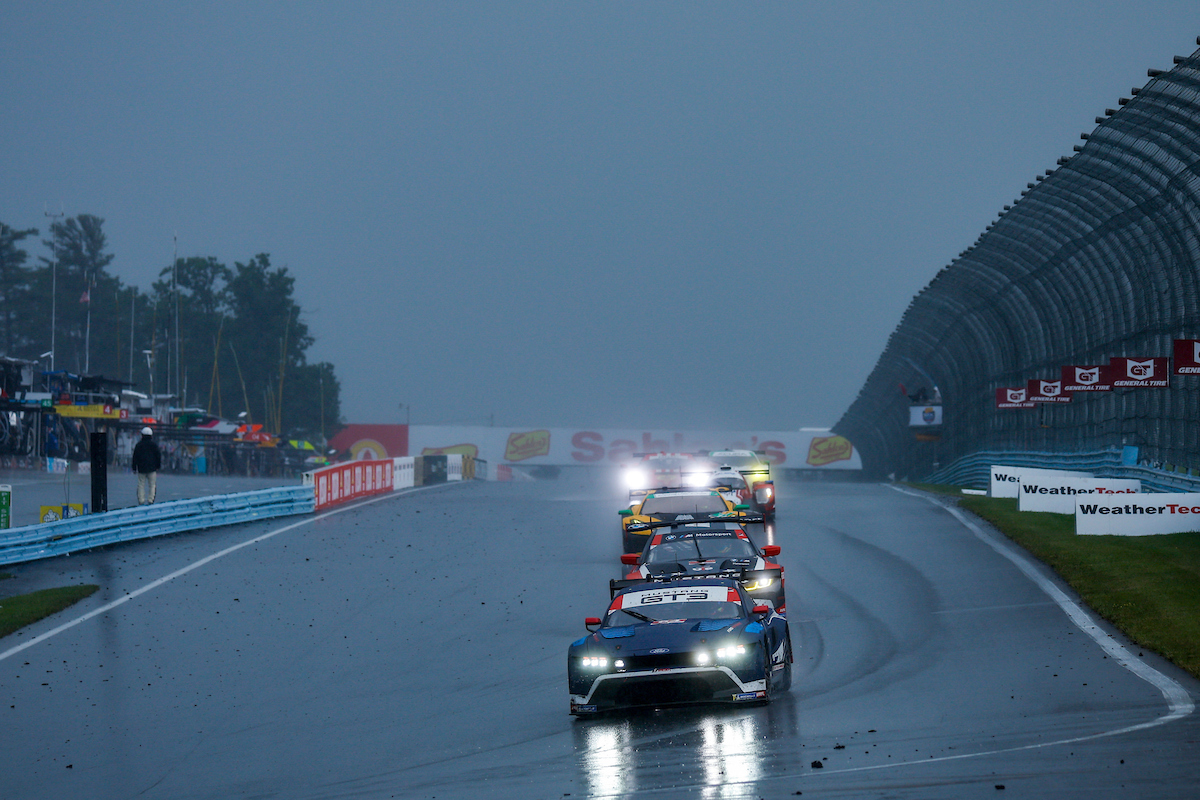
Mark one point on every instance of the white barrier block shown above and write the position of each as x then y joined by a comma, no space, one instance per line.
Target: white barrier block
1137,515
1058,495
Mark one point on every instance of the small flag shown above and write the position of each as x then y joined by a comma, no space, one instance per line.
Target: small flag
85,297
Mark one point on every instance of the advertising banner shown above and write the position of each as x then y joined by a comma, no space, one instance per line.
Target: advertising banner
1039,391
1058,495
1005,481
371,442
1139,372
1187,357
924,416
804,449
1090,378
1137,515
95,411
1008,397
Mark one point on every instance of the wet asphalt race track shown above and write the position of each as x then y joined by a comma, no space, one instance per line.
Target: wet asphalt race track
415,646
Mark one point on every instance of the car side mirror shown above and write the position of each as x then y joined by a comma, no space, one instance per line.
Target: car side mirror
626,512
594,622
760,610
771,550
741,507
630,559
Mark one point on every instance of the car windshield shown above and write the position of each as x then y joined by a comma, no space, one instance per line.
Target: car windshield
690,549
686,503
664,612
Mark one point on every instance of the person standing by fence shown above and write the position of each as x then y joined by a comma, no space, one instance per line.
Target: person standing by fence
146,461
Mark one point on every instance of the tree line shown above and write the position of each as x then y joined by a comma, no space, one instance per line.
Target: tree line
242,340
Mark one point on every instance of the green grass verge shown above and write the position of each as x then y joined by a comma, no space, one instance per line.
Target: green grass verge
1148,586
17,612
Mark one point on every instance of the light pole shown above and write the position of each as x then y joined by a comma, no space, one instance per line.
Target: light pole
53,281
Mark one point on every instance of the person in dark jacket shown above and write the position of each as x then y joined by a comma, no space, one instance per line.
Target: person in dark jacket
146,461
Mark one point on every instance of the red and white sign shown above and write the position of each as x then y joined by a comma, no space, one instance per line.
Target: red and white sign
1140,372
1137,515
1090,378
1008,397
1039,391
341,483
1187,357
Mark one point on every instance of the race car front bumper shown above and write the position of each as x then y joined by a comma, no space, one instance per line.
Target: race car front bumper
671,686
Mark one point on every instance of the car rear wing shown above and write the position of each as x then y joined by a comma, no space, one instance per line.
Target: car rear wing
724,516
743,576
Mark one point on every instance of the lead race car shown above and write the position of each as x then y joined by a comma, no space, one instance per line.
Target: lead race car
690,640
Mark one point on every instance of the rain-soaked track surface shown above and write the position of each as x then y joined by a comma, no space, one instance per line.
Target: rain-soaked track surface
415,647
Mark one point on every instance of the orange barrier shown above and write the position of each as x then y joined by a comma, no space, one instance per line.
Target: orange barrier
354,479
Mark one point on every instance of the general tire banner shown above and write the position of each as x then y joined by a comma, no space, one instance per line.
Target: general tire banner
1013,397
1137,515
1039,391
1138,373
1086,378
1187,357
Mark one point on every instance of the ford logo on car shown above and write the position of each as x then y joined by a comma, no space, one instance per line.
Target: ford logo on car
658,650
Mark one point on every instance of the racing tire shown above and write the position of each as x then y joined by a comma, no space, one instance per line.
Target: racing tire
785,681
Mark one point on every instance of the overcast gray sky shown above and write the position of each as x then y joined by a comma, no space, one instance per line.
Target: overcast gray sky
679,215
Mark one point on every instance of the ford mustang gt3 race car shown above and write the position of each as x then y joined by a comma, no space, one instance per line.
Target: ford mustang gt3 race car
686,641
722,550
673,505
755,469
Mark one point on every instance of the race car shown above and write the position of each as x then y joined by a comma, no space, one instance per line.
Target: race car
671,505
691,640
755,469
662,471
721,549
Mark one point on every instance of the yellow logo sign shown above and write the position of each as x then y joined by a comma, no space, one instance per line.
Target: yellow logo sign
827,449
454,449
527,445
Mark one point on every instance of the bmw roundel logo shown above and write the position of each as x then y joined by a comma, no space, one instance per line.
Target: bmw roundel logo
658,650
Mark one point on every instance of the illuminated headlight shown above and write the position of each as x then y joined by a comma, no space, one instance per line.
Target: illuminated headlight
594,662
766,490
701,658
619,664
636,479
733,651
695,479
755,585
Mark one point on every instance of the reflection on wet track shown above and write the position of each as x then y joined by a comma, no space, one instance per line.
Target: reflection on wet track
415,647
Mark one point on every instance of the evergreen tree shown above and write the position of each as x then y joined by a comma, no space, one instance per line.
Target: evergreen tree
14,290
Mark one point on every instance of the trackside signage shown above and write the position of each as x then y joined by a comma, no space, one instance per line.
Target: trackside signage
1006,481
1137,515
1187,357
1086,378
1013,397
1039,391
1139,372
1058,495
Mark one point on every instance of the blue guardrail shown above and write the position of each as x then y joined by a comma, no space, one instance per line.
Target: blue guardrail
47,539
973,470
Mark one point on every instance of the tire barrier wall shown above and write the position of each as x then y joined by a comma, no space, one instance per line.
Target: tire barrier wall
341,483
1098,258
43,540
972,470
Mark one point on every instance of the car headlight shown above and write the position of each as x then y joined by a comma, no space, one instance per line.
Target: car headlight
594,662
757,583
702,658
694,479
732,652
636,479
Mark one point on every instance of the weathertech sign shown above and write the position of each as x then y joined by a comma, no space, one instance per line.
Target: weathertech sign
1139,372
1093,378
1038,391
1137,515
1187,356
1013,398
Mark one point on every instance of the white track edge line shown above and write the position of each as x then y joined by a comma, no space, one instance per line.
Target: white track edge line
197,564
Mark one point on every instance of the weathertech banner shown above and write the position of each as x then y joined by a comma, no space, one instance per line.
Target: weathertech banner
1187,357
1057,495
1039,391
1137,515
1093,378
1012,398
1140,372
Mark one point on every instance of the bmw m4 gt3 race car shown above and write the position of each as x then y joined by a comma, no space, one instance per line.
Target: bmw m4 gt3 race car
674,505
687,641
721,549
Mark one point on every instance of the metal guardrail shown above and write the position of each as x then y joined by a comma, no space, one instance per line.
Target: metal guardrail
47,539
972,470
